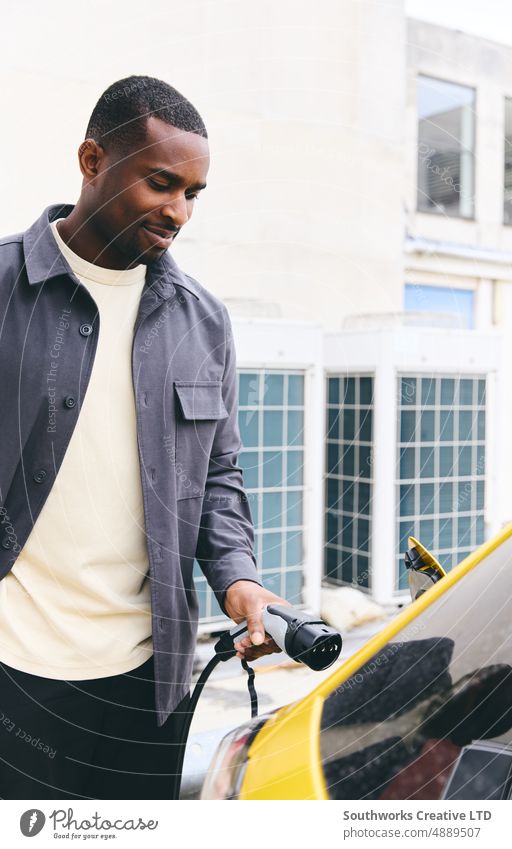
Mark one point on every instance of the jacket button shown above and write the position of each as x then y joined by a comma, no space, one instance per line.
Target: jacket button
6,543
86,329
69,401
40,475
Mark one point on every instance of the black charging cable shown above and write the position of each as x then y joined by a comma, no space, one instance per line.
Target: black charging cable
224,650
252,689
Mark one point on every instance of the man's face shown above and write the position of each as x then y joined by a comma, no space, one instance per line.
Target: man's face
141,200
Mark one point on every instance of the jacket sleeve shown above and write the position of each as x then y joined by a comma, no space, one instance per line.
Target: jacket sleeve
225,547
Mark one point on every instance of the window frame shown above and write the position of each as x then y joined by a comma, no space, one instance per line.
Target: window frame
433,210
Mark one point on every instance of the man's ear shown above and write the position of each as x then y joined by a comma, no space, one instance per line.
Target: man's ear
90,157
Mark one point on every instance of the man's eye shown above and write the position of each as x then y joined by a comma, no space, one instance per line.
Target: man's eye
160,187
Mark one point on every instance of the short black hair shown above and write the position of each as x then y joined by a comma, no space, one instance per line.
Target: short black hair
118,121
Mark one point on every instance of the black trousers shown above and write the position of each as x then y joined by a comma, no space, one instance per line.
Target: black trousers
90,739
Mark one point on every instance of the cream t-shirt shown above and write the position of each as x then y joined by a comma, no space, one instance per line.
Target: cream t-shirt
77,604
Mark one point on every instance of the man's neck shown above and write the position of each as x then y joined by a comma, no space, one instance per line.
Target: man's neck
79,233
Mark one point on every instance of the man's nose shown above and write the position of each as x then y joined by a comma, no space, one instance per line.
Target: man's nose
176,211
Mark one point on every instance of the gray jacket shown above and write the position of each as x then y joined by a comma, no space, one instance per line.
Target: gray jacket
185,389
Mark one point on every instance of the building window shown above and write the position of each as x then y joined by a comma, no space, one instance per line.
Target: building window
348,484
438,300
507,183
271,422
441,466
446,133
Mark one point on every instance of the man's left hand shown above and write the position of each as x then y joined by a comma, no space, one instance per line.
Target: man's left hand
245,600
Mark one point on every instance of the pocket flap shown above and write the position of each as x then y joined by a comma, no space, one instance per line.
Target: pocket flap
201,399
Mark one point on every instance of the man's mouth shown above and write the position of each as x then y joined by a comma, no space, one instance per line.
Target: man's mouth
159,236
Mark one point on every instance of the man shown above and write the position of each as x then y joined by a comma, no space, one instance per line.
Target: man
118,465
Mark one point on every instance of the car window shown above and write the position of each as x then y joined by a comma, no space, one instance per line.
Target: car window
435,699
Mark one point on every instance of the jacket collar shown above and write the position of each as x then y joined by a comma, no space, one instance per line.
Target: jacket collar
44,260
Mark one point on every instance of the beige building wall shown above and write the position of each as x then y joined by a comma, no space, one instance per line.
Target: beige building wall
307,212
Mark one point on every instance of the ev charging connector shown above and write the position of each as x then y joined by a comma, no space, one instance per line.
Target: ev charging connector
304,638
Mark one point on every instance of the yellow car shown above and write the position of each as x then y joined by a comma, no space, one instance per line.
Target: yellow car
422,711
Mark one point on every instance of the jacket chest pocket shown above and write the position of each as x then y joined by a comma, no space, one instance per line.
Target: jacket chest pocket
199,409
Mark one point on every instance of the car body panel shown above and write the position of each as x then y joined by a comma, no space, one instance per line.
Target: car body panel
293,769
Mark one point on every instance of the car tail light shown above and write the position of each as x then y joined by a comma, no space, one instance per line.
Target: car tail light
227,769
